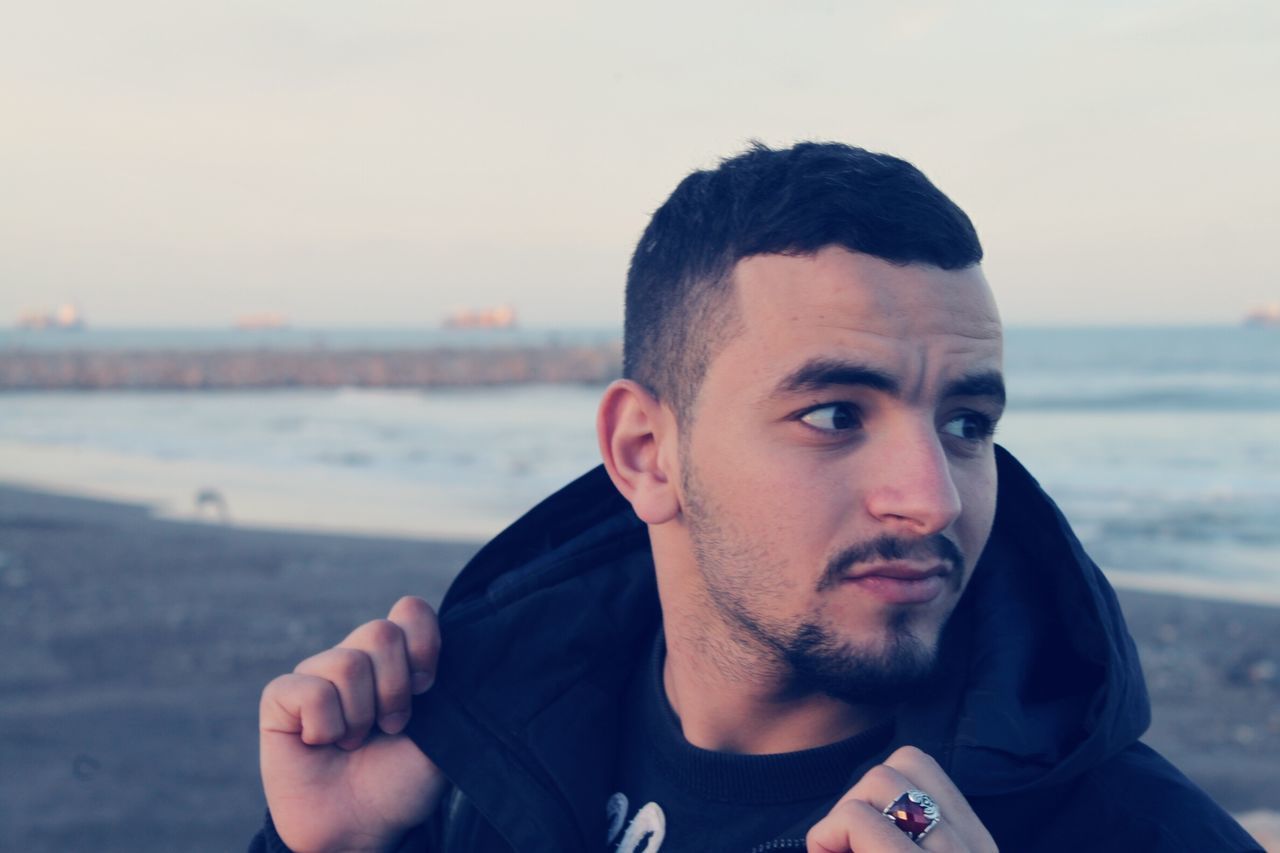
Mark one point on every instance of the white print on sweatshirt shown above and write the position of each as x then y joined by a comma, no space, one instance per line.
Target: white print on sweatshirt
649,824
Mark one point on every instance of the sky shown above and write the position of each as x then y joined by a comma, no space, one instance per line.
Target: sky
169,163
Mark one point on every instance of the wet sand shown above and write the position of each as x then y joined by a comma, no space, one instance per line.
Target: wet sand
134,650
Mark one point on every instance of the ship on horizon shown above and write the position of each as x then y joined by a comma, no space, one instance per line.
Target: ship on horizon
66,318
1264,315
497,317
260,321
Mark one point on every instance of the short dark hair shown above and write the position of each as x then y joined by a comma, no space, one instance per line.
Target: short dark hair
793,201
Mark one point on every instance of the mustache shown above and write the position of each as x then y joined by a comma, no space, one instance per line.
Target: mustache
885,548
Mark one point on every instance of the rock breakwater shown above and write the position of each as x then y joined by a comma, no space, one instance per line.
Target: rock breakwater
315,368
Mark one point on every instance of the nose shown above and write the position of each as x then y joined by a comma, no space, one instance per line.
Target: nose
911,487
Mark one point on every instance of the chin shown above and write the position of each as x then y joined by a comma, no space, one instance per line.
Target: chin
898,667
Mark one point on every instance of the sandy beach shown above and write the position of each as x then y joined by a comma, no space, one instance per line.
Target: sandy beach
135,650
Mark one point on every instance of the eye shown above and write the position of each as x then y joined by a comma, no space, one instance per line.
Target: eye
834,417
970,426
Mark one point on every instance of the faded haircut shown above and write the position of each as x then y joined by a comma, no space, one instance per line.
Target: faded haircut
680,308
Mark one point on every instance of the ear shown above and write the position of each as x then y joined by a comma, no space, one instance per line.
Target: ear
638,442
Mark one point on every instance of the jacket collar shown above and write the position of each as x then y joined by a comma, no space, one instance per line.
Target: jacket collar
1040,679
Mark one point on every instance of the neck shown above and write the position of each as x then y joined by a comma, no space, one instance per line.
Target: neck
733,697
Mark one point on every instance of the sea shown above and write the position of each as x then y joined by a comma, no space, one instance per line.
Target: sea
1161,444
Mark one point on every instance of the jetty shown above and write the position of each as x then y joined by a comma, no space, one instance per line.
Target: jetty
73,369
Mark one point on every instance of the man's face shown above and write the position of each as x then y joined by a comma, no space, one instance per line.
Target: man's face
838,477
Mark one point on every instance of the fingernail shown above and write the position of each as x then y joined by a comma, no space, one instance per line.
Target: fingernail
422,681
393,723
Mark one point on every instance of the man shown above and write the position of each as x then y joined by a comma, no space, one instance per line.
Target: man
764,625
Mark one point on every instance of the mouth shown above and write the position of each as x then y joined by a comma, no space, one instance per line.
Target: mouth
901,582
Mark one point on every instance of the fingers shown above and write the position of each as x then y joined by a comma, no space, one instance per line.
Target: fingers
302,705
421,637
928,776
339,695
349,673
382,645
858,821
882,785
402,651
854,825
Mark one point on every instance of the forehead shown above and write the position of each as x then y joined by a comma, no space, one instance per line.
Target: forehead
917,321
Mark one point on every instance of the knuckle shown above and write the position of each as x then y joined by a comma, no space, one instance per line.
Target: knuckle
412,605
417,613
336,664
915,762
910,753
306,692
881,774
852,809
349,664
817,832
277,685
382,632
838,821
315,691
310,664
275,694
842,812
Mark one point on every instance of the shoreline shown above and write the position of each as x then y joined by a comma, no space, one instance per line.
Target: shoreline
383,510
138,647
252,498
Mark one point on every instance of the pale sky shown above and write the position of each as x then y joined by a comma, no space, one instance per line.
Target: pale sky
177,163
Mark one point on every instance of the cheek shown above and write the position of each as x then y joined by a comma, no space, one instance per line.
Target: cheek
806,509
794,503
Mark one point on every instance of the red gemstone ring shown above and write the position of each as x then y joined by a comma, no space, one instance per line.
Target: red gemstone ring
914,812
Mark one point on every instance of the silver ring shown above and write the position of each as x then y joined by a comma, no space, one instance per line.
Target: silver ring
914,812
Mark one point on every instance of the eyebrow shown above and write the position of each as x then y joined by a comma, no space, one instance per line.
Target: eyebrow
821,373
988,384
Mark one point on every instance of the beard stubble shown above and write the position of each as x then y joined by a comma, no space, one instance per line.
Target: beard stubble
740,579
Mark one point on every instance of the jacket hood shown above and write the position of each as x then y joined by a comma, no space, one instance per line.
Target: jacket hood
1039,678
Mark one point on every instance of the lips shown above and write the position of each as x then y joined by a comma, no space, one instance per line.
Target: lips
901,582
901,570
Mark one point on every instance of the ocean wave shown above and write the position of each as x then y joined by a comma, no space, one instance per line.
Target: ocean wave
1124,390
1153,400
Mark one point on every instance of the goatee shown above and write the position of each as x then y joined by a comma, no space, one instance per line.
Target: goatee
901,671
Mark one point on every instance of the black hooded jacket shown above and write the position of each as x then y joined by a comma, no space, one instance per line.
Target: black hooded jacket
1036,720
